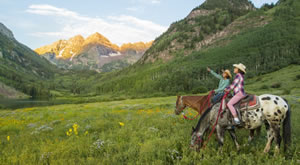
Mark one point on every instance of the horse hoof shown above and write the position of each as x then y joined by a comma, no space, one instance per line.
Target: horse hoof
266,150
277,150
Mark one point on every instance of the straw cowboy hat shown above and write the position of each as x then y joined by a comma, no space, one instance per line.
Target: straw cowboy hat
240,66
227,72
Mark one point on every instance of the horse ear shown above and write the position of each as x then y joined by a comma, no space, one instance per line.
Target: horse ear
193,128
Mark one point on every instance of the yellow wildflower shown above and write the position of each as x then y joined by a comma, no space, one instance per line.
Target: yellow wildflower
8,138
75,126
86,132
121,124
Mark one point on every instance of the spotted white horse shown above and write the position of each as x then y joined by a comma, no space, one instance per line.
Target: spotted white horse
273,111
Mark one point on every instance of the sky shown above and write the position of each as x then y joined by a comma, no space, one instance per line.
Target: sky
36,23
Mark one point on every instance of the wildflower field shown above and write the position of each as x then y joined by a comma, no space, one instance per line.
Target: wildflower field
137,131
141,131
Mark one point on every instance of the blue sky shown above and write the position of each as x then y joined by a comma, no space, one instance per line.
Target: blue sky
36,23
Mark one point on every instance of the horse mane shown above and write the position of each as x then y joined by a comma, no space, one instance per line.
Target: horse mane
177,100
202,118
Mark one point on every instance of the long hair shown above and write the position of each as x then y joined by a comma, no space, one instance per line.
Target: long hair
241,72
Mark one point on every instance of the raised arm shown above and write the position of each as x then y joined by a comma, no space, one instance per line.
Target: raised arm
216,75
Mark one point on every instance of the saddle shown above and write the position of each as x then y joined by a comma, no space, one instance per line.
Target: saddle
250,102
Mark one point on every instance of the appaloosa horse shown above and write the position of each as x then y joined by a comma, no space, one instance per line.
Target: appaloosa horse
201,104
273,111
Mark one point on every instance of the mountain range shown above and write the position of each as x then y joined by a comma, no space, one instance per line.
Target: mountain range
95,52
216,34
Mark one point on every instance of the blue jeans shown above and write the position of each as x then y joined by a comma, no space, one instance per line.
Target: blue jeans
217,97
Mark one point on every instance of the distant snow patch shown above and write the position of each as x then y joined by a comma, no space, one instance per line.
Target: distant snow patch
61,52
115,54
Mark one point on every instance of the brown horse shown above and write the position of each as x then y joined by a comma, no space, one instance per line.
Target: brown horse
197,103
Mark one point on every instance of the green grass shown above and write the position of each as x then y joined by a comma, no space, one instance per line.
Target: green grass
151,134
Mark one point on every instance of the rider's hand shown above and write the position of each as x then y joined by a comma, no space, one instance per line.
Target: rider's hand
208,69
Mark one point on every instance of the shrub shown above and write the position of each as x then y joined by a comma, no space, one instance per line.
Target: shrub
298,77
264,87
200,89
286,92
259,79
276,85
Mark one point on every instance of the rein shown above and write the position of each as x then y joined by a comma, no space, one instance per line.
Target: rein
199,112
214,127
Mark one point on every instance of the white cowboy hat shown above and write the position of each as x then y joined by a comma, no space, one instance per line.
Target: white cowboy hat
240,66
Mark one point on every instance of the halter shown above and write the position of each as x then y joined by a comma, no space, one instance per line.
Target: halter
198,140
181,106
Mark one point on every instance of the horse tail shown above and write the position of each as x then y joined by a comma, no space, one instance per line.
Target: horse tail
287,129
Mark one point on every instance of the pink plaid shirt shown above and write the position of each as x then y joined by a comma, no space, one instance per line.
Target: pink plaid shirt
237,84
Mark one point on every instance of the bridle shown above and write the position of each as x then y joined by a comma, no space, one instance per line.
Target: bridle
181,106
198,140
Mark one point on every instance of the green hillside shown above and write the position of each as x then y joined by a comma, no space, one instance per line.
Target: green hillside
282,82
265,40
22,68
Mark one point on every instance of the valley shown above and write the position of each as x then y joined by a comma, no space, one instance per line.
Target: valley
86,100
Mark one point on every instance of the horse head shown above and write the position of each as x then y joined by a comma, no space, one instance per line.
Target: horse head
180,106
196,140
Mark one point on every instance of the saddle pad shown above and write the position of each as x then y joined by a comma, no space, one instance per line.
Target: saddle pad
251,104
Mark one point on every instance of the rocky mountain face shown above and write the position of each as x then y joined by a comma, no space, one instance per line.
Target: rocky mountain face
205,25
5,31
92,53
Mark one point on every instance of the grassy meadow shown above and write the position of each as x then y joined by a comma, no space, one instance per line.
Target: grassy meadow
136,131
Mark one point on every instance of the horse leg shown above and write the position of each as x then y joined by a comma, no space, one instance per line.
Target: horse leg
276,129
271,135
251,135
234,138
220,135
258,130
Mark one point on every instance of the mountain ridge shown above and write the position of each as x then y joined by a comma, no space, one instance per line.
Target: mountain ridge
92,52
197,29
21,68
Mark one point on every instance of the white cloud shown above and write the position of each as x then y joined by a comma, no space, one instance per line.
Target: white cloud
155,1
120,29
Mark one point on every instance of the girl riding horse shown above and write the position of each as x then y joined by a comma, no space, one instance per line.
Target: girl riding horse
238,89
223,83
